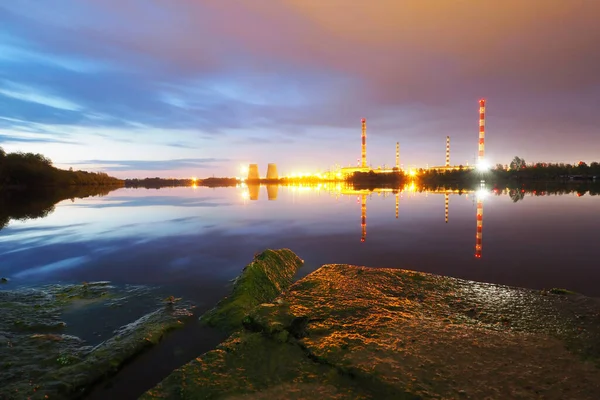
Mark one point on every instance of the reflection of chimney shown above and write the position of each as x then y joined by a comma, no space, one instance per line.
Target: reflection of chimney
272,172
253,172
363,150
363,217
478,236
446,200
397,198
253,191
272,191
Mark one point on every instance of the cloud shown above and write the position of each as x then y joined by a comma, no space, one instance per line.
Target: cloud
22,139
154,165
236,72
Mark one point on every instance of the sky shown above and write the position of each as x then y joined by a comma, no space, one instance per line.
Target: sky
199,87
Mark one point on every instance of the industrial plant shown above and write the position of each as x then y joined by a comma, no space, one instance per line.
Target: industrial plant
344,173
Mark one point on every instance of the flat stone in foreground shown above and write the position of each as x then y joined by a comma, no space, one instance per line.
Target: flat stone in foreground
347,332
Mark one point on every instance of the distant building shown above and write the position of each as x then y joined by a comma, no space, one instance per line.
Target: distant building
272,172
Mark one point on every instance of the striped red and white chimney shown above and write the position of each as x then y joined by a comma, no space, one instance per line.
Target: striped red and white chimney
481,130
447,151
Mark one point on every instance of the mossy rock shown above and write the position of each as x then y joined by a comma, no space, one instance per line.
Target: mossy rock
266,277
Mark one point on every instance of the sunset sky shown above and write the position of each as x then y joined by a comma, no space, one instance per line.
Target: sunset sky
195,88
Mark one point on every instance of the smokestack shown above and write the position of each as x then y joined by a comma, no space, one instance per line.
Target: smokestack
481,130
253,172
397,155
447,151
363,152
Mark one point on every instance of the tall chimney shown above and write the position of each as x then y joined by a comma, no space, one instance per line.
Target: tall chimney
397,155
481,130
447,151
363,151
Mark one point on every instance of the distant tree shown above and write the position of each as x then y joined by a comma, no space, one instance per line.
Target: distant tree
517,163
499,167
2,153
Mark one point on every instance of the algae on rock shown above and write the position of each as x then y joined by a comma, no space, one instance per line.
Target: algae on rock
40,361
266,277
355,332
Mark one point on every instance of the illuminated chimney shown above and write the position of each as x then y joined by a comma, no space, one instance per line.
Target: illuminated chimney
481,130
447,151
272,172
363,151
397,156
447,201
253,172
478,237
363,217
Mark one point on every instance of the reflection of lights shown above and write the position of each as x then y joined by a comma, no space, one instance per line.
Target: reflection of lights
481,194
410,187
194,185
482,166
245,195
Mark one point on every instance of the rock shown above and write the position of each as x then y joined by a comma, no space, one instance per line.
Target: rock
3,280
381,334
266,277
38,361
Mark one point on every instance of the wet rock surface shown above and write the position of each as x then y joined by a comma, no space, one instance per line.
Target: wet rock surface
353,332
39,356
268,275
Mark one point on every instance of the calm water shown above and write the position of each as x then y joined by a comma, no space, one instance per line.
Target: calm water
194,240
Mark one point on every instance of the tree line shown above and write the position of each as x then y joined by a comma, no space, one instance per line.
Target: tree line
29,170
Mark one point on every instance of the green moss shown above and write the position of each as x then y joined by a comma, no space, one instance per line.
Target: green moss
266,277
39,359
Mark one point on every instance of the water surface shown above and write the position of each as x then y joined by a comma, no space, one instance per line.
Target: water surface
194,240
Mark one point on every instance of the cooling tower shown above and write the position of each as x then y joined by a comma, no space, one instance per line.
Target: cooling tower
272,172
253,172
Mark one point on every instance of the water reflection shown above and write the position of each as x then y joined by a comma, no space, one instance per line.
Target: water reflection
254,191
195,236
39,203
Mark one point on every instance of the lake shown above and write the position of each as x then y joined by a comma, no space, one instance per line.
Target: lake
193,241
